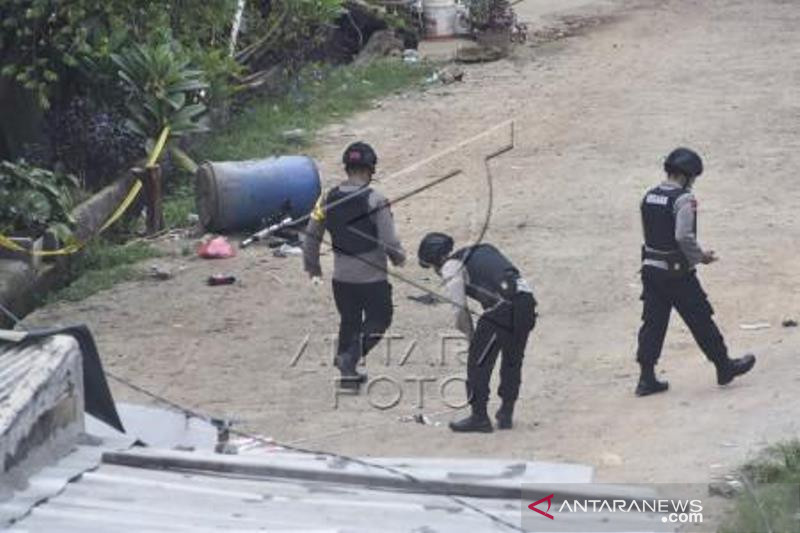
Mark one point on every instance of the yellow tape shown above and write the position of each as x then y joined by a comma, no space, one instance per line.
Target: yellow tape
5,242
156,153
126,203
318,213
71,248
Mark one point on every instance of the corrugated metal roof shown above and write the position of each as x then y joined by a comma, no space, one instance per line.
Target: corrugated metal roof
51,480
164,492
117,498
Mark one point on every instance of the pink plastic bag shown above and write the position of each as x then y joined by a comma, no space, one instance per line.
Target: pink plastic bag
216,248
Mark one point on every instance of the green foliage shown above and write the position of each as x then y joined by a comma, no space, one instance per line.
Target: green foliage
43,42
287,32
101,265
779,464
32,199
39,39
163,91
323,94
219,69
770,499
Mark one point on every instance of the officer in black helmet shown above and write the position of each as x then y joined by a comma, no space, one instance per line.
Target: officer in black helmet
669,257
509,315
362,232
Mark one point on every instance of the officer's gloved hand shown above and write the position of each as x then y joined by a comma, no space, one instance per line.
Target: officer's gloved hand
709,257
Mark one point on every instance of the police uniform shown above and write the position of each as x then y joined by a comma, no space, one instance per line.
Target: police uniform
363,238
669,277
484,274
669,257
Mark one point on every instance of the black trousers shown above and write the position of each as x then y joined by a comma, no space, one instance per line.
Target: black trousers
365,310
505,328
661,293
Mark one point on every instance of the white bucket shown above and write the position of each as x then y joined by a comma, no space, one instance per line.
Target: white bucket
440,18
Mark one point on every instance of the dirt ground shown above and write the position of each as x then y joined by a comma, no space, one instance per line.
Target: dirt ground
595,112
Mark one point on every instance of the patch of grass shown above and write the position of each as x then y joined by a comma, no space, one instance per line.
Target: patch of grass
779,464
321,95
102,265
178,205
771,499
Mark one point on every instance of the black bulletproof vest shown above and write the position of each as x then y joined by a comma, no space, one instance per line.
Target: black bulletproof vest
658,218
348,220
491,275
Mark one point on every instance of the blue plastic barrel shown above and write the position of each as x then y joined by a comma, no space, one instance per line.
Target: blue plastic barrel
242,195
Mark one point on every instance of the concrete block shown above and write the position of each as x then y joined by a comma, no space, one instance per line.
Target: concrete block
41,405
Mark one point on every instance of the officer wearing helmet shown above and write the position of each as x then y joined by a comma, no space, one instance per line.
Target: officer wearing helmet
483,273
670,255
363,237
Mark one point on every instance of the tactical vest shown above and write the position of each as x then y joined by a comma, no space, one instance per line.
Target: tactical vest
658,218
492,277
349,221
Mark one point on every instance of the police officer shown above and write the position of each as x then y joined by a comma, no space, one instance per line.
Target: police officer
363,237
509,315
669,257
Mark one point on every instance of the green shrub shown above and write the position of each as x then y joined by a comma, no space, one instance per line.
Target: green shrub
42,42
33,199
287,32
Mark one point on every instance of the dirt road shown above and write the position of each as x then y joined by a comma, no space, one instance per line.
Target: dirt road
595,114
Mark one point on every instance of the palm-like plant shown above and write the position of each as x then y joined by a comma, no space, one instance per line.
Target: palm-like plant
163,92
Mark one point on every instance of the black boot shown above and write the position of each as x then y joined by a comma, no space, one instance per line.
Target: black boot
504,415
734,367
477,422
648,384
350,379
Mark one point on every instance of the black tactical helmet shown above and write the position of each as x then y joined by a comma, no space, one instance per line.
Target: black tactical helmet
685,162
433,248
360,154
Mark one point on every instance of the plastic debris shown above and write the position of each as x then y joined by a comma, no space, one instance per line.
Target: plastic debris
160,273
221,279
410,55
433,78
216,248
754,327
286,250
418,418
255,445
